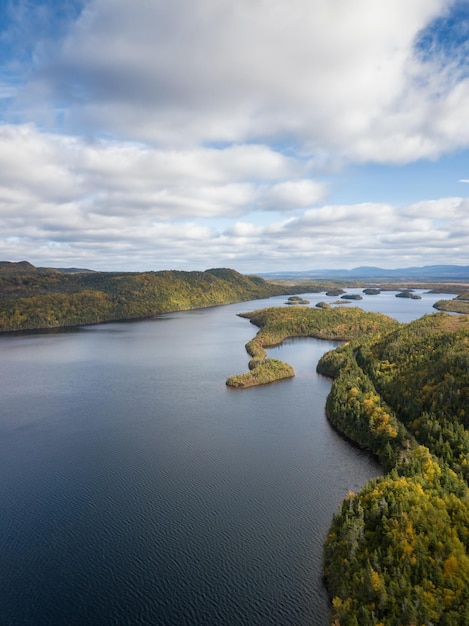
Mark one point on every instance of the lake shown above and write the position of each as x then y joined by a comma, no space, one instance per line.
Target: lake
136,488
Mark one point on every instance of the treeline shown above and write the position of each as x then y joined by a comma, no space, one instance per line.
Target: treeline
278,323
398,552
261,372
422,370
460,304
341,324
34,299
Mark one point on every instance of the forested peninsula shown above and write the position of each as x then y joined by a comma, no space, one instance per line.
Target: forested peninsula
397,553
459,304
33,298
276,324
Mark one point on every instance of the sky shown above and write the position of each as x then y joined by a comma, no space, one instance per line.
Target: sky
252,134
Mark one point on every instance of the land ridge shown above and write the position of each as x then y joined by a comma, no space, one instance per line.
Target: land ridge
426,272
33,298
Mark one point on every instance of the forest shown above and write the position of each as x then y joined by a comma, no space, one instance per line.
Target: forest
276,324
39,298
397,552
459,304
32,298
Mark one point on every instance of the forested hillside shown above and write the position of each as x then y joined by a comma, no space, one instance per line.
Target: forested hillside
31,298
398,552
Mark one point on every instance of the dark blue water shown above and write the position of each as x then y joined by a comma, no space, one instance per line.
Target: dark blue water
136,488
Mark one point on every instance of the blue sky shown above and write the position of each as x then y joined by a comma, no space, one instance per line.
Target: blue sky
292,134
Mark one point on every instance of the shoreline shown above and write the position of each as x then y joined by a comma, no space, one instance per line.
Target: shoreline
371,408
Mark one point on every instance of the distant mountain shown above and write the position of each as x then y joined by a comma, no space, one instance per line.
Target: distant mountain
425,273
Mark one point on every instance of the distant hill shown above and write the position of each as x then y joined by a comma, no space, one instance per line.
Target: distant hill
24,267
14,268
69,270
425,273
34,298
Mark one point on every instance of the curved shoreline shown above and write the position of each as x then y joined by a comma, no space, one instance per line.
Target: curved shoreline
387,532
385,524
293,322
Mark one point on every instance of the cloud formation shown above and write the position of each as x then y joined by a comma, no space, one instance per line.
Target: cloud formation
120,206
151,135
340,77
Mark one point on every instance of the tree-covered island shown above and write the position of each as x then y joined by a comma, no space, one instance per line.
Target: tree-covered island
397,553
352,296
296,300
408,293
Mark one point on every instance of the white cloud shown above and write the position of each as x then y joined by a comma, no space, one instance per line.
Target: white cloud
333,76
440,209
55,177
58,192
364,234
195,133
294,194
128,225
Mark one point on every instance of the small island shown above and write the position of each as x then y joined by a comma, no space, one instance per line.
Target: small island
296,300
408,293
372,291
262,370
352,296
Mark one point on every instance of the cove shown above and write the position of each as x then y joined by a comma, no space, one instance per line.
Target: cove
136,488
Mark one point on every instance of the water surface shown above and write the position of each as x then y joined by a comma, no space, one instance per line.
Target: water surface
136,488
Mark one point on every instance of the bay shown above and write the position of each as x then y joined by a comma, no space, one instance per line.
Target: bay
136,488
